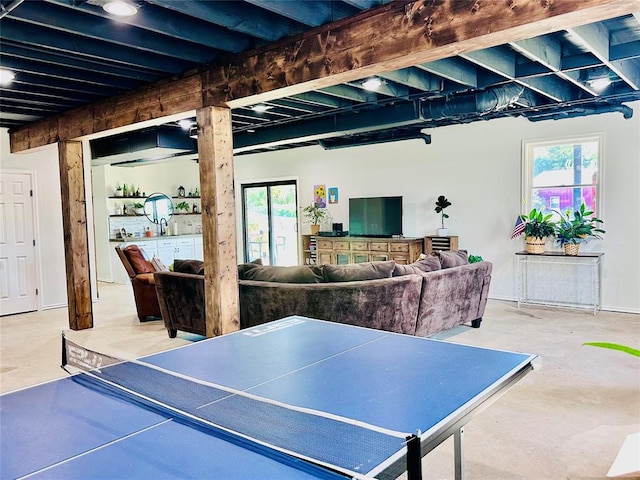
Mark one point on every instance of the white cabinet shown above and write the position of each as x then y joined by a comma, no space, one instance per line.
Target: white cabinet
198,248
170,249
185,249
166,250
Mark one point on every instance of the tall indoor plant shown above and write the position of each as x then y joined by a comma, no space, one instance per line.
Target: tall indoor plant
441,204
537,227
571,231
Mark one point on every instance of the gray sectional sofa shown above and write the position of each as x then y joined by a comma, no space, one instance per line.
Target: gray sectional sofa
433,294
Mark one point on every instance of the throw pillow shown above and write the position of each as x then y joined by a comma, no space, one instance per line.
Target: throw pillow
429,263
158,265
449,259
137,260
296,274
194,267
358,271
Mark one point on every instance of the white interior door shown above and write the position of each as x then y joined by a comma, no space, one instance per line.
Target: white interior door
17,245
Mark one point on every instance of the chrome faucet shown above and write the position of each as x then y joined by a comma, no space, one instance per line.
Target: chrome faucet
162,230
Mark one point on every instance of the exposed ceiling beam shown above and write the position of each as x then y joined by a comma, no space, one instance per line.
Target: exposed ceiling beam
454,69
396,35
246,20
311,14
330,126
68,44
181,27
48,15
596,38
414,78
547,51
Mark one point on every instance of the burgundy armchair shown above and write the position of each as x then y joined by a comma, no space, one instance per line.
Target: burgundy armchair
140,271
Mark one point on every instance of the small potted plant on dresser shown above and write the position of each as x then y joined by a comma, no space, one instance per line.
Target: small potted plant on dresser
314,213
441,204
537,227
571,232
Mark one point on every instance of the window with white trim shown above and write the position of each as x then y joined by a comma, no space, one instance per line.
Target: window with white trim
561,174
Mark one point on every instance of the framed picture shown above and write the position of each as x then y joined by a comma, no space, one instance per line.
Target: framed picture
333,195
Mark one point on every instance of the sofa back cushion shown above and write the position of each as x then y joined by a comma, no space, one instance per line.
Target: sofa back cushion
449,259
137,260
429,263
358,271
272,273
244,266
195,267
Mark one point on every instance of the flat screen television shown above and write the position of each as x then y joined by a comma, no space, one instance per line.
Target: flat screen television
375,216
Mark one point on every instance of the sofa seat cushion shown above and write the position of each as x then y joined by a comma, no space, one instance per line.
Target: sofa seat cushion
137,260
358,271
456,258
194,267
272,273
430,263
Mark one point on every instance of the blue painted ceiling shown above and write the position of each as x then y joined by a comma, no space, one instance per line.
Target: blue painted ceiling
69,53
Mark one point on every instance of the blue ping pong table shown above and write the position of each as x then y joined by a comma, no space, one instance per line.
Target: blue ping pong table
73,428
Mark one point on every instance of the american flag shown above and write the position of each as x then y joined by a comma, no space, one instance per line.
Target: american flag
518,228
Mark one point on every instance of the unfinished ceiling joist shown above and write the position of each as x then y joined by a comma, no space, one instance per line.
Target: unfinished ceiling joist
394,36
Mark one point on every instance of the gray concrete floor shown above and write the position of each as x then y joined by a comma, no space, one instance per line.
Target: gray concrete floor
566,420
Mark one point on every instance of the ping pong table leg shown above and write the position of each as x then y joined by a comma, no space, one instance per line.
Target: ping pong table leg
414,458
458,453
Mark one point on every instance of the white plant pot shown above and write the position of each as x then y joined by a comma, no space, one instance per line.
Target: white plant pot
443,232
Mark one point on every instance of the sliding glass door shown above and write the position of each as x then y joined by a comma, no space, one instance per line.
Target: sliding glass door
270,222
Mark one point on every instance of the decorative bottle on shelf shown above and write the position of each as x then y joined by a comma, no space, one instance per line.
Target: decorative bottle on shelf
124,190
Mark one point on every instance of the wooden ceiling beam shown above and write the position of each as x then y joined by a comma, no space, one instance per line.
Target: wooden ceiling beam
397,35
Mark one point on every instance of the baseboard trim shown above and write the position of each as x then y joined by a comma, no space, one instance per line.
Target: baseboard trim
604,308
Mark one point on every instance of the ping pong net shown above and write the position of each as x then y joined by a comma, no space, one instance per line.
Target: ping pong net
332,442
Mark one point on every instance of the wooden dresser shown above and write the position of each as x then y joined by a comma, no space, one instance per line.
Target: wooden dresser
343,250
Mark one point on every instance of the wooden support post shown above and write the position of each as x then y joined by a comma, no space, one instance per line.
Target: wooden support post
215,154
76,237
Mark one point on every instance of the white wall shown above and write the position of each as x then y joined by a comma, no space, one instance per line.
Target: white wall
50,247
478,167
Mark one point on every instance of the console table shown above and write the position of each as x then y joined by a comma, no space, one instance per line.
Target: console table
557,279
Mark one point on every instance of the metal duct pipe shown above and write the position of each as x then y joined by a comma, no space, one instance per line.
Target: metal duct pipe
489,100
627,112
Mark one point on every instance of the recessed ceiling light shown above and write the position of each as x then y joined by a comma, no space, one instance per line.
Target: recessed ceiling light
261,107
6,76
600,83
120,8
372,84
185,124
